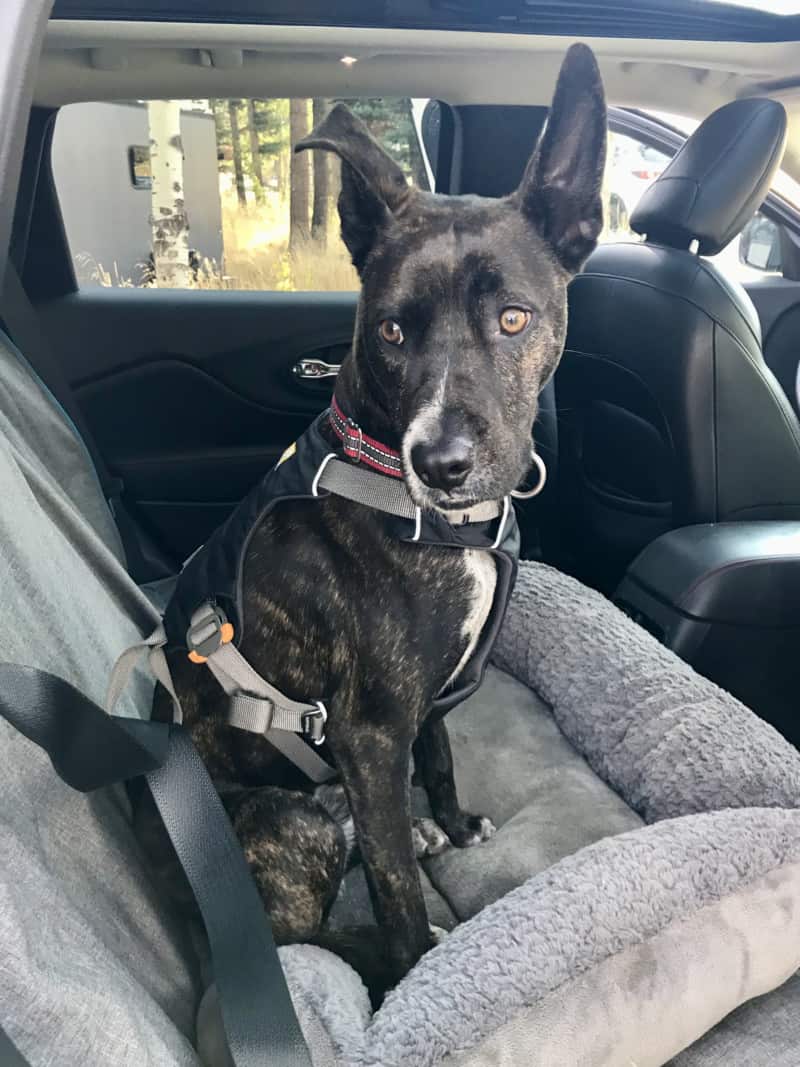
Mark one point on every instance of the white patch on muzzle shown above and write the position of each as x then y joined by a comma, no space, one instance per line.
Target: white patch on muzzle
424,427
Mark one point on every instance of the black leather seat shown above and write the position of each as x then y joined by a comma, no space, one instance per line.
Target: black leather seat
668,414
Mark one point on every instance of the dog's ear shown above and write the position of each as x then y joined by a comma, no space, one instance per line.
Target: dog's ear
560,190
373,186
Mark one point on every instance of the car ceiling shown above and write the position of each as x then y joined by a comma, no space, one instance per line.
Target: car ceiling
104,60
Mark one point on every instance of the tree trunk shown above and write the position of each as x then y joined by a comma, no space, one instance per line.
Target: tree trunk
168,220
300,169
238,170
322,183
255,152
418,169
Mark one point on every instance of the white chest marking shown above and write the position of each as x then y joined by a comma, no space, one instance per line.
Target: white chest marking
481,576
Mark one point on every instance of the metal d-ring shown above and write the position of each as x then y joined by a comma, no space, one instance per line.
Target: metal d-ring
526,494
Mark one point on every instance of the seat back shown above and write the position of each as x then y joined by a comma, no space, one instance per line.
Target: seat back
92,967
668,414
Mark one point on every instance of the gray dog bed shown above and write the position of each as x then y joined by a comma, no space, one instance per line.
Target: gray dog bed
656,817
643,885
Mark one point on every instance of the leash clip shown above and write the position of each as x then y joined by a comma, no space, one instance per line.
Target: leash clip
527,494
353,431
314,723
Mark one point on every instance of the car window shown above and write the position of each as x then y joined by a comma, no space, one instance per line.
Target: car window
631,166
208,194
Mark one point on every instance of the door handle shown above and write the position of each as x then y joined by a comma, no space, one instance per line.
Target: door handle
312,370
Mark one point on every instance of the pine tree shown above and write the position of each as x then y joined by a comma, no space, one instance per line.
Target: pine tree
236,146
322,184
256,168
391,123
300,170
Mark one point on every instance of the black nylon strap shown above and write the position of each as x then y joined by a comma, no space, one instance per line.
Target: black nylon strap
259,1017
89,749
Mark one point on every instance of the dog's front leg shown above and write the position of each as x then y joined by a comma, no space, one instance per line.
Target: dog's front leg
375,766
433,765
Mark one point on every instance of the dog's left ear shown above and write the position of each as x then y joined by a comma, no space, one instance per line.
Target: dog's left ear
560,190
373,185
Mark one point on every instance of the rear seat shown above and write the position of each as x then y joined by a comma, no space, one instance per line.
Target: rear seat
91,960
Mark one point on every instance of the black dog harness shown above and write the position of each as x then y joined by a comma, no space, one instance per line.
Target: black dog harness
205,615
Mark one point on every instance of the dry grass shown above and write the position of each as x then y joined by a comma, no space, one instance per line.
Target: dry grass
256,255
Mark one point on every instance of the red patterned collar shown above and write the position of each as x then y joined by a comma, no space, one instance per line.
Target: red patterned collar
362,448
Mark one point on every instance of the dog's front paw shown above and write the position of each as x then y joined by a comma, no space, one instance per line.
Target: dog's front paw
438,934
471,830
429,838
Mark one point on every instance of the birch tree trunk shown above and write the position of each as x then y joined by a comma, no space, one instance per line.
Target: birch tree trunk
321,209
300,170
255,152
236,145
168,220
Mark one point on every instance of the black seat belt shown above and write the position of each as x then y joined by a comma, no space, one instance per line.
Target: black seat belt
90,749
146,561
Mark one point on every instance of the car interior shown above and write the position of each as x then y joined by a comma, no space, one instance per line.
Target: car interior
635,739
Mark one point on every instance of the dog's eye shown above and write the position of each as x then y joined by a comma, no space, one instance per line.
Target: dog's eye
390,332
514,320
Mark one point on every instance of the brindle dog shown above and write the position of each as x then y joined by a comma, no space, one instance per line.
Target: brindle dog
460,323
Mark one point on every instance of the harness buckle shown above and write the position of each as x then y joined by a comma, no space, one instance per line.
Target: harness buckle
314,723
352,431
207,631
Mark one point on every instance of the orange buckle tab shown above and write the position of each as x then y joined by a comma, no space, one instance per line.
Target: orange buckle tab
208,630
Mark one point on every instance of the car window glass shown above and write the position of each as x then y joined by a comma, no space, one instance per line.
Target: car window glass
631,166
207,194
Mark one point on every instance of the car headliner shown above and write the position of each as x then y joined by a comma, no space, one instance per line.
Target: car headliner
106,60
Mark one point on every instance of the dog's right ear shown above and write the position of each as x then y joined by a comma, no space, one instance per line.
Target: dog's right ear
373,186
560,191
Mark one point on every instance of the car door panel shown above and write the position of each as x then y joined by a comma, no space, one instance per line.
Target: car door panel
192,396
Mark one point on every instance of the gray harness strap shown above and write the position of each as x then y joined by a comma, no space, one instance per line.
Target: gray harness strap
123,668
374,490
254,704
257,706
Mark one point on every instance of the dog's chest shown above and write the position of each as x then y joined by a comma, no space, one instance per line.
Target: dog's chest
481,579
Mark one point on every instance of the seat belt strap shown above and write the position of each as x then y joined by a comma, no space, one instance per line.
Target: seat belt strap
90,749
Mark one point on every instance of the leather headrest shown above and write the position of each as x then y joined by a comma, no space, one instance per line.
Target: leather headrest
717,180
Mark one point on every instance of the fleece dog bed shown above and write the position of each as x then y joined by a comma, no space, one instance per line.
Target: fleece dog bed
657,818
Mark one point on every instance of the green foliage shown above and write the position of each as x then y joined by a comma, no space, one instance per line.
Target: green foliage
389,120
391,123
272,124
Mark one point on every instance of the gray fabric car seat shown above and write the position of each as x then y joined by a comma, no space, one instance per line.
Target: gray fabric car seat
94,968
90,958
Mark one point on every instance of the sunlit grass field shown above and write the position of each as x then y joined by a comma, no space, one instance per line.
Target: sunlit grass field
256,254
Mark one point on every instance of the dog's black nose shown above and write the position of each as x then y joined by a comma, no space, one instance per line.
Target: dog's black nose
443,465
